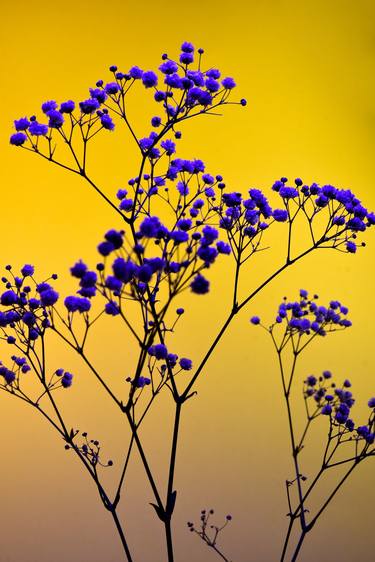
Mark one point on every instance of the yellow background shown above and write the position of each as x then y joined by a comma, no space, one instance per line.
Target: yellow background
307,70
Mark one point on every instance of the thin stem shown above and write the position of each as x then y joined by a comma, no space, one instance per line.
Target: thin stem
172,464
121,534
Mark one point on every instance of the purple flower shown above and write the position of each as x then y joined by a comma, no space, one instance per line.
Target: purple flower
106,122
105,248
38,129
159,351
169,147
77,304
255,320
149,79
89,106
49,106
8,298
223,248
21,124
327,410
280,215
56,119
213,73
112,308
142,381
98,94
186,364
228,83
79,269
124,270
112,88
18,139
67,380
187,47
200,285
168,67
49,297
288,192
135,72
88,280
27,270
186,58
67,106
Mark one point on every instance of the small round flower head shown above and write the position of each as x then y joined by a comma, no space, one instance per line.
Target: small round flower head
351,247
168,67
149,79
79,269
280,215
21,124
27,270
186,364
159,351
186,58
77,304
187,47
112,88
98,94
38,129
49,297
180,311
18,139
371,403
200,285
67,106
56,119
243,102
228,83
8,298
112,308
156,121
327,410
255,320
67,380
135,72
49,106
311,380
106,122
89,106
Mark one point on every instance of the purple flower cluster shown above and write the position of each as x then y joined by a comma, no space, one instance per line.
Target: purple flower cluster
178,87
347,215
306,316
20,366
27,306
337,402
249,217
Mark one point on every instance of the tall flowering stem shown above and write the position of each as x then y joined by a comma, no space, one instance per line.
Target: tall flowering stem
297,325
151,261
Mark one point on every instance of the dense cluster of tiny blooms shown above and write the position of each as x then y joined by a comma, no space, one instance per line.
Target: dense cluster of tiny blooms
307,317
26,315
336,402
181,87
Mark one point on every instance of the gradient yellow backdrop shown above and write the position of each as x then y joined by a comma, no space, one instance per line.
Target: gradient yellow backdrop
307,70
